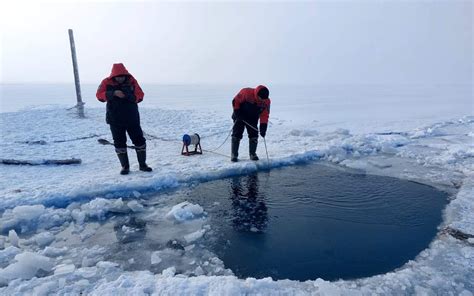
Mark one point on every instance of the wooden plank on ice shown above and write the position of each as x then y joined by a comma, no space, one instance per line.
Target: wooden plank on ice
42,161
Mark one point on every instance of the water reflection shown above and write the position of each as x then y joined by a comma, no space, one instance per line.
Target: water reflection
250,212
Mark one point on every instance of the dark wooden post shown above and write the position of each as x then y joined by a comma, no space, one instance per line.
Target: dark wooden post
80,103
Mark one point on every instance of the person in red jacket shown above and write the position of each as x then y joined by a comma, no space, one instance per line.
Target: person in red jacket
122,93
250,105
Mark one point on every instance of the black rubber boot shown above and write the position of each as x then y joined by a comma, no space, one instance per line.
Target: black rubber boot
141,156
123,157
234,153
253,142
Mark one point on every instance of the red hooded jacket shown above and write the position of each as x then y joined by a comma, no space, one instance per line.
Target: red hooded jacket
121,111
119,70
249,105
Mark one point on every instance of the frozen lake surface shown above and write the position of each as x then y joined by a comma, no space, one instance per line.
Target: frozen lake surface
86,229
327,106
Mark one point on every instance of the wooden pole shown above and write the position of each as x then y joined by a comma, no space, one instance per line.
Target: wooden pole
80,103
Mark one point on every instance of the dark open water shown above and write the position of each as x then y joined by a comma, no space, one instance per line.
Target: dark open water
311,221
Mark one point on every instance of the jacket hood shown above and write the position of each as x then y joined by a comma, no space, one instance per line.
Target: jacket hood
119,70
258,88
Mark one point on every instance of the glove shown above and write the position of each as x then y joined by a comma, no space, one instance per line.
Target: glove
263,129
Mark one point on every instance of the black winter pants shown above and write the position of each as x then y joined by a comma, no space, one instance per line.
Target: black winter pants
120,137
239,127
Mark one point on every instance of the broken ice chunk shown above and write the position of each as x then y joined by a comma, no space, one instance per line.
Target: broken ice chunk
26,267
13,238
194,235
155,257
185,211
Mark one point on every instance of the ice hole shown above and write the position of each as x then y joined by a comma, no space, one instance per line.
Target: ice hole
317,221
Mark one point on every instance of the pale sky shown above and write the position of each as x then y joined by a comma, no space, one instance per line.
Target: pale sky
336,42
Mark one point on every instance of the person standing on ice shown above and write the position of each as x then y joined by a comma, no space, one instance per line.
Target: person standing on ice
250,105
122,93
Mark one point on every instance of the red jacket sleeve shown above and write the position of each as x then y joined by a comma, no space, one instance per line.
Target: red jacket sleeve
238,99
266,112
102,91
138,92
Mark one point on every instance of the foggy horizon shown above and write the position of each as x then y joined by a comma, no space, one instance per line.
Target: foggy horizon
240,43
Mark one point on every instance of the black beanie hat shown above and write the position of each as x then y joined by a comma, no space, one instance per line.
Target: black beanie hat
263,93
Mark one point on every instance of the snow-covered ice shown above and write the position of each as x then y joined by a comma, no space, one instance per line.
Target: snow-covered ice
52,217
